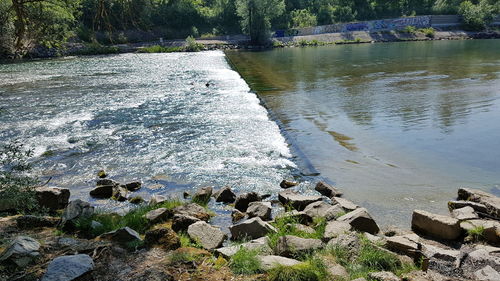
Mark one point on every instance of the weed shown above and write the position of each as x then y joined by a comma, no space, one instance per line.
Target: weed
410,29
429,32
278,44
312,269
245,261
476,233
186,241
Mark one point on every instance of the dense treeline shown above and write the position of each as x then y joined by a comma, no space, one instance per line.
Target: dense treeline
25,23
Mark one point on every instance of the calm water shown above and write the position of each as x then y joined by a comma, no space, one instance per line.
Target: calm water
148,117
397,126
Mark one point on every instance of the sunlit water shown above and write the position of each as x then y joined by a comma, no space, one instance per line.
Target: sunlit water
148,117
397,126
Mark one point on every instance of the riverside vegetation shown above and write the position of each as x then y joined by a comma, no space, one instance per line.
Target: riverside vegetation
28,27
297,237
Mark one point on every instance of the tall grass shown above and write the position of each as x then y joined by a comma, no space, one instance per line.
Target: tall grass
245,261
286,226
313,269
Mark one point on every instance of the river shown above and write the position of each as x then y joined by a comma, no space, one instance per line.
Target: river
396,126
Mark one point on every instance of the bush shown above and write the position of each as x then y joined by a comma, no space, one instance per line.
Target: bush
17,187
475,17
192,45
160,49
245,261
303,18
410,29
428,32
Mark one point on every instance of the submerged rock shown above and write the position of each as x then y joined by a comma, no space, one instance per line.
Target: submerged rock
210,237
22,251
252,228
68,268
438,226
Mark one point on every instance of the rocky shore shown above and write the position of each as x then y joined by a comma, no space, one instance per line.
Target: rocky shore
315,237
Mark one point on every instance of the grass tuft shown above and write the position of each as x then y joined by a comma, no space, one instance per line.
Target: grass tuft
286,226
313,269
245,261
476,233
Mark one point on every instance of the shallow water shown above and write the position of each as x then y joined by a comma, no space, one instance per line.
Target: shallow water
397,126
147,117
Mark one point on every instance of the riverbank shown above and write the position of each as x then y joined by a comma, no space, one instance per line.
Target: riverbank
242,42
317,237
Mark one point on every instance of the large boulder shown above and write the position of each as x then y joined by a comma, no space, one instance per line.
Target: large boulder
437,226
163,237
261,245
361,220
193,210
30,221
182,222
252,228
76,209
53,198
225,195
296,200
22,251
404,244
465,213
122,236
289,245
260,209
320,209
68,268
345,204
203,194
243,200
270,262
491,201
327,190
435,252
335,228
158,215
210,237
348,241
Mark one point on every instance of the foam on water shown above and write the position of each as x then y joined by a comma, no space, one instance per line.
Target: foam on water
148,117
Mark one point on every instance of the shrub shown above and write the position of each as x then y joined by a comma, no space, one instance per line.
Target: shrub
475,17
303,18
410,29
17,187
192,45
245,261
160,49
428,32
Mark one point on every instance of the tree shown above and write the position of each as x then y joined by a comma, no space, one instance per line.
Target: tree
256,16
303,18
476,17
45,22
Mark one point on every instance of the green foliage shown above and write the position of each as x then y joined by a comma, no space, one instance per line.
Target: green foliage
17,186
410,29
286,225
476,233
303,18
193,46
134,219
476,16
245,261
370,258
278,44
160,49
312,269
429,32
186,241
256,17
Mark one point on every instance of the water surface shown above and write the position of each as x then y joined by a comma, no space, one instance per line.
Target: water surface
397,126
174,121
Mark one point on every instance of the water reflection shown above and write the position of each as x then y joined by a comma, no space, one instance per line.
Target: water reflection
399,123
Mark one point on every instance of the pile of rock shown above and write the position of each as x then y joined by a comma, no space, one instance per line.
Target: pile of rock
108,188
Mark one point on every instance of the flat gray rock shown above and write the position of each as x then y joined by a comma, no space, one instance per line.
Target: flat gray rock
296,200
76,209
158,215
289,245
210,237
67,268
22,251
261,245
322,209
260,209
465,213
269,262
335,228
437,226
252,228
487,273
345,204
122,236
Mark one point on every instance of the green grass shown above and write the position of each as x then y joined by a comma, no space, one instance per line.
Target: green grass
245,261
160,49
187,256
429,32
476,233
133,219
286,226
186,241
370,258
313,269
